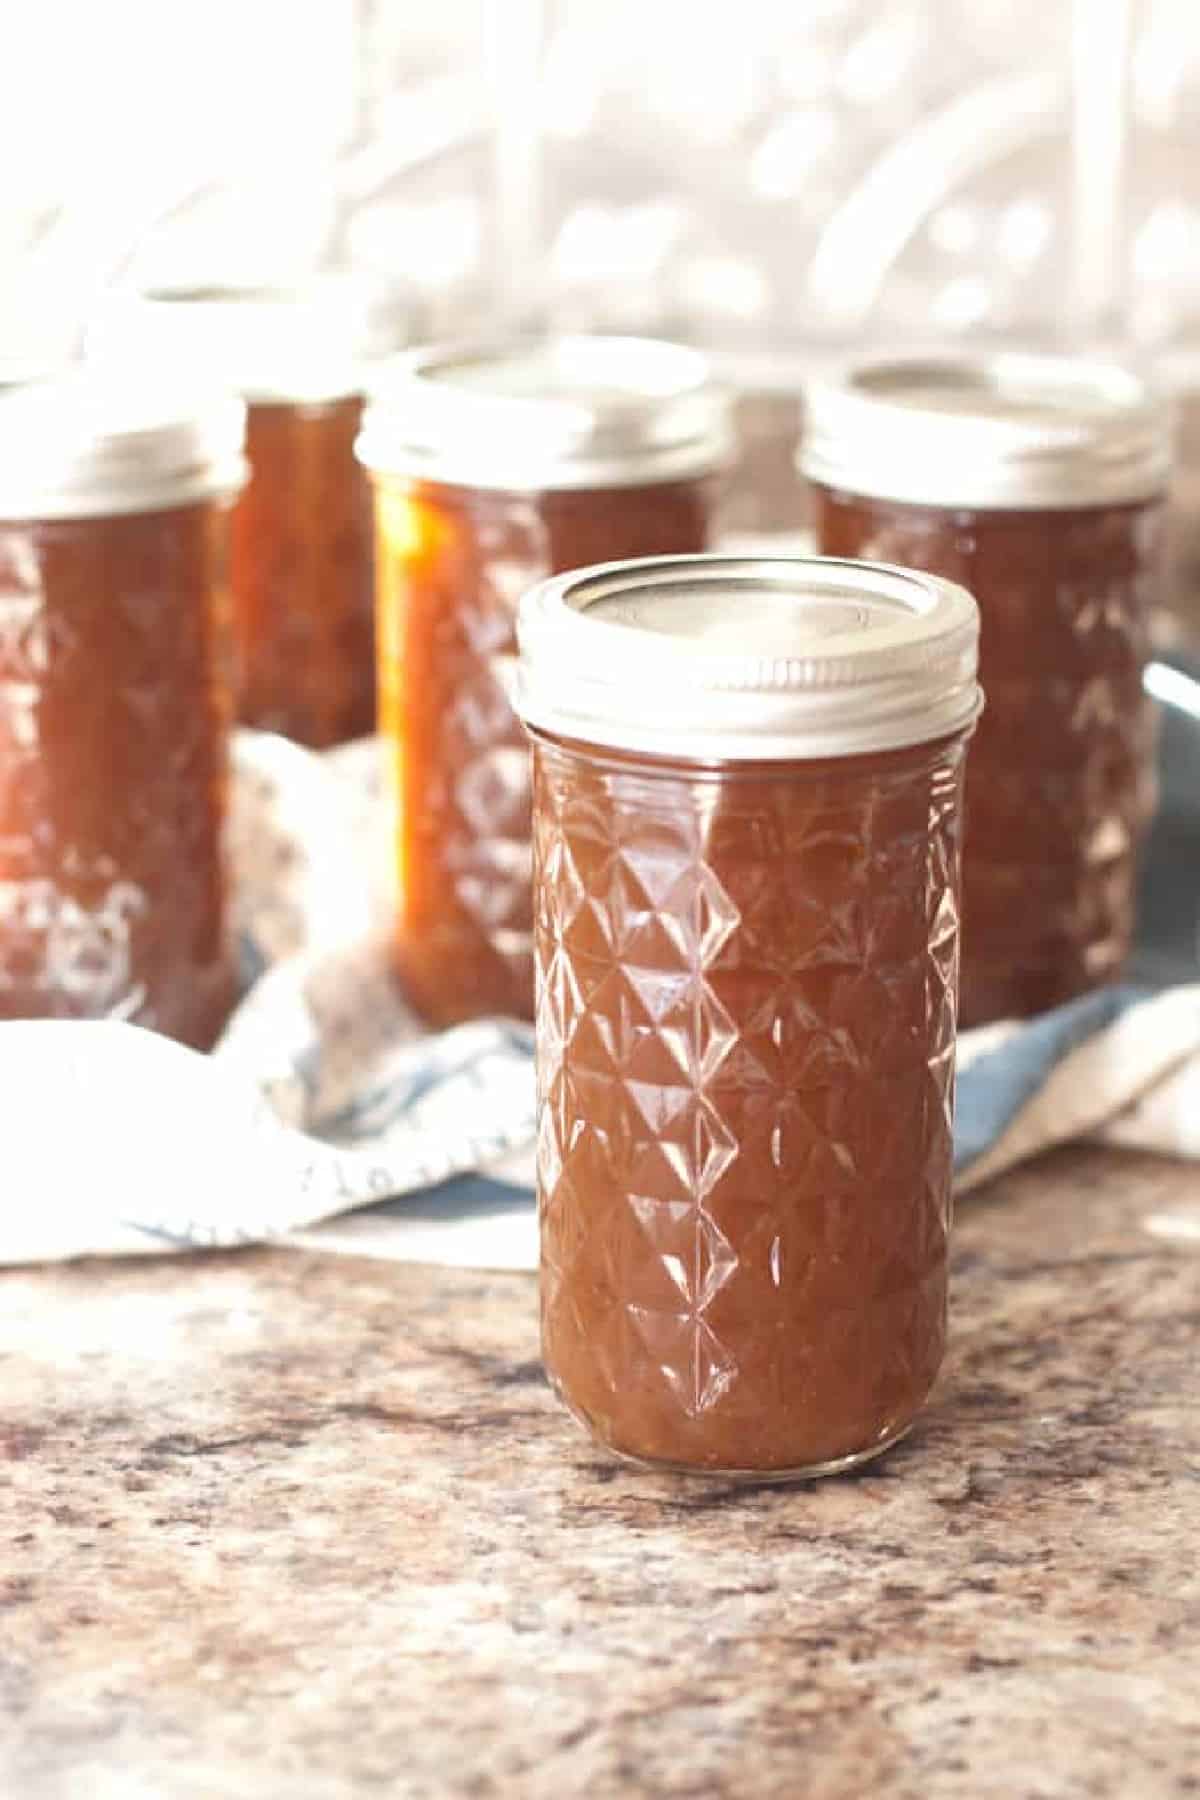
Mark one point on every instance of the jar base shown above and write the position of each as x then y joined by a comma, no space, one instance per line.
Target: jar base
837,1465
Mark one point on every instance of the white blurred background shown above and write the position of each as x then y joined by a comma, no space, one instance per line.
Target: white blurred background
770,178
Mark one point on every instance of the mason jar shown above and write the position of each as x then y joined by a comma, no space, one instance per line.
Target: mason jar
300,560
495,464
1037,482
114,705
747,783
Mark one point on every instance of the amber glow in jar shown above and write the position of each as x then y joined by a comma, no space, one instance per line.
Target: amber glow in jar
300,561
495,465
114,707
1037,482
746,817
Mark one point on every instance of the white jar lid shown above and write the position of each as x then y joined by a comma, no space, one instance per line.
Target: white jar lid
726,658
87,446
529,415
1009,431
314,342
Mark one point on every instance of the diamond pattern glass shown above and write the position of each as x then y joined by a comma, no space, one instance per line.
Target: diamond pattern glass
452,565
113,719
1061,787
745,1036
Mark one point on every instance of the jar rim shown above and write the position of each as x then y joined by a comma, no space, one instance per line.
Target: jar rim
536,413
81,446
1010,430
728,658
312,341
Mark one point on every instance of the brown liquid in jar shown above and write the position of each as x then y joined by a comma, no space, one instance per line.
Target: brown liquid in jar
1061,783
453,563
303,608
746,1020
113,722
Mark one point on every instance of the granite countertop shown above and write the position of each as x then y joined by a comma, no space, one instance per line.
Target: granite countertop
278,1525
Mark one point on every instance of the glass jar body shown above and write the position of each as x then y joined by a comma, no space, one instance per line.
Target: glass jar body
114,716
746,981
452,564
303,610
1061,787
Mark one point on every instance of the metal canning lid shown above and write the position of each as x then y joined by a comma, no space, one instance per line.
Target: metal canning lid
313,343
730,658
83,446
527,415
1004,431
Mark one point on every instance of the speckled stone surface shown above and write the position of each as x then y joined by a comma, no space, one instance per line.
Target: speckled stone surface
315,1529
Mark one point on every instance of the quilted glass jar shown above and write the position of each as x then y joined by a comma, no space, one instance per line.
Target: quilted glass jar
114,705
746,811
495,465
1038,483
302,591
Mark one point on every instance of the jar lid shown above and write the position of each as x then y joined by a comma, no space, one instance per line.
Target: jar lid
1005,431
314,342
537,414
729,658
84,446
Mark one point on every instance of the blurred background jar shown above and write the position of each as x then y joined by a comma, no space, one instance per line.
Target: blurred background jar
114,708
493,465
1038,483
302,615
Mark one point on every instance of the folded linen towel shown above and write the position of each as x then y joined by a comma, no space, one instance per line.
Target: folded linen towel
325,1116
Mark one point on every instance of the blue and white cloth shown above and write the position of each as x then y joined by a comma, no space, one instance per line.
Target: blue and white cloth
326,1117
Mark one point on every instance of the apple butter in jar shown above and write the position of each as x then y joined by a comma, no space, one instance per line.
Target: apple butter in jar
496,465
300,558
747,780
114,706
1038,483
